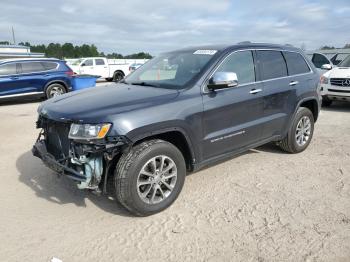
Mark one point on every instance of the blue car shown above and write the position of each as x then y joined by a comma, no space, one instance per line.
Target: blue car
34,77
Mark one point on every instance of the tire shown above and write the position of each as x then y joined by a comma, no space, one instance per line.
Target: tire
129,173
118,76
294,141
326,101
55,90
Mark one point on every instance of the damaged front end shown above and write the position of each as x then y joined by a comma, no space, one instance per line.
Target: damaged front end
87,161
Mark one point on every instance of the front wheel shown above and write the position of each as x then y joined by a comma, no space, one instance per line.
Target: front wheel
300,132
149,177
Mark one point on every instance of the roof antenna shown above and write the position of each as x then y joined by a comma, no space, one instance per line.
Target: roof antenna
13,36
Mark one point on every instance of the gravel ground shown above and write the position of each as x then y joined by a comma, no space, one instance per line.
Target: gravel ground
264,205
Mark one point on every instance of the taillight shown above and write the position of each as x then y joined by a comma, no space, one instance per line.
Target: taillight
69,72
130,69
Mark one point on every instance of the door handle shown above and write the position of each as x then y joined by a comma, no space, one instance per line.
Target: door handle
14,77
293,83
255,91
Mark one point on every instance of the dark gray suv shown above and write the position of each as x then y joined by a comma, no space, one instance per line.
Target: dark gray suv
179,112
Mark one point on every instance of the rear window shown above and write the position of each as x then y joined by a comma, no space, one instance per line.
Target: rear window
32,67
99,62
296,63
7,69
272,64
49,65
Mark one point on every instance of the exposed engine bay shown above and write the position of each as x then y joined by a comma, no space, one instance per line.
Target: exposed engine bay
85,161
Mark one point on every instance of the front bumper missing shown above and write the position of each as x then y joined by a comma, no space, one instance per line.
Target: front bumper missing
39,150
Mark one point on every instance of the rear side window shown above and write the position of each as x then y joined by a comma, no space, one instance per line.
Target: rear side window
7,69
49,65
242,64
99,61
32,67
319,60
272,64
296,63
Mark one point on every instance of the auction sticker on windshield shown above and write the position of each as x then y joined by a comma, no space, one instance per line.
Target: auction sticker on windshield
205,52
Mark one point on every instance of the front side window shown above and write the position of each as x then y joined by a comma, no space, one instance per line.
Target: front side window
241,63
272,64
7,69
172,70
296,63
99,61
319,60
88,62
32,67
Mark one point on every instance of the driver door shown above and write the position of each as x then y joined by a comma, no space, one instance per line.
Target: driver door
87,67
232,116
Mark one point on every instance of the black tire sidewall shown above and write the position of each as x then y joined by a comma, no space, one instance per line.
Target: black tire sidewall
115,76
163,148
301,113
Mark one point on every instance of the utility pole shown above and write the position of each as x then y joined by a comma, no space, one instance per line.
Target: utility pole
13,36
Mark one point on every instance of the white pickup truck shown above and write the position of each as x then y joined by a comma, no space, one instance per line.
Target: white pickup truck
99,66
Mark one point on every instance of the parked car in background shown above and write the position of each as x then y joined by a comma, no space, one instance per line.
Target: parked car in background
100,66
321,62
335,84
338,58
134,66
34,77
139,140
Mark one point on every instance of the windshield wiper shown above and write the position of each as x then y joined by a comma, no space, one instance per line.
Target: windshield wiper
143,84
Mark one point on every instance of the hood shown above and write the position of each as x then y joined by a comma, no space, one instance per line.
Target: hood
99,104
338,72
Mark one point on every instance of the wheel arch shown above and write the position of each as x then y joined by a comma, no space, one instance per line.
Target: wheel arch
61,82
312,105
120,71
176,136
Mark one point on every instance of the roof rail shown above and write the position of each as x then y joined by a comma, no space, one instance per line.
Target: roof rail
244,43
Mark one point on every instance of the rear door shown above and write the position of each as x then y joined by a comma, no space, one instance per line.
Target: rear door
8,80
279,93
101,68
231,117
32,76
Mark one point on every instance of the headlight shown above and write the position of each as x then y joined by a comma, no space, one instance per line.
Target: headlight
324,80
87,131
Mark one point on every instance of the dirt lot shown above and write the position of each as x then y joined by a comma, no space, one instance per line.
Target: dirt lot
264,205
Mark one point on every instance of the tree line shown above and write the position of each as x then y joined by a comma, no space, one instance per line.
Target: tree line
68,50
326,47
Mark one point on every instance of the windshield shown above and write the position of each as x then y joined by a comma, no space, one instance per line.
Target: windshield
171,70
345,63
77,62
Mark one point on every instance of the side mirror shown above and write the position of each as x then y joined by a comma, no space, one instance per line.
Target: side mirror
326,67
221,80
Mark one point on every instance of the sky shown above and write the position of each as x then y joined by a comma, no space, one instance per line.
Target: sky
155,26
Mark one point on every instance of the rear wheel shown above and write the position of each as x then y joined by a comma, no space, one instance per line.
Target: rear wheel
55,90
118,76
149,177
300,133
